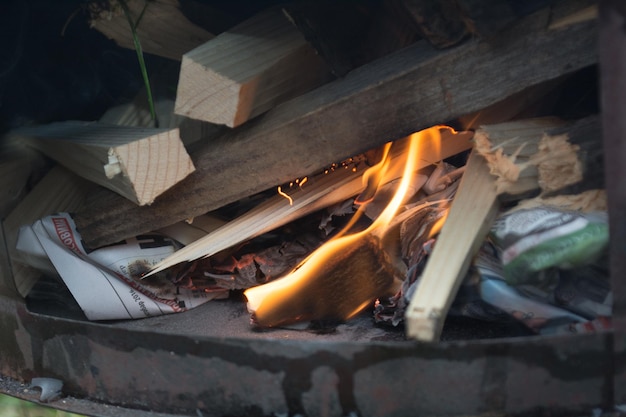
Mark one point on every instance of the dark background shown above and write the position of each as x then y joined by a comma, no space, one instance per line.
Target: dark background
54,67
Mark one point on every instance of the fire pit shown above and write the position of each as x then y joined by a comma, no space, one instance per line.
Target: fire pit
210,361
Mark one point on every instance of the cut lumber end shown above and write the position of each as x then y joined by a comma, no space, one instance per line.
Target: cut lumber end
205,95
137,163
248,70
154,165
469,220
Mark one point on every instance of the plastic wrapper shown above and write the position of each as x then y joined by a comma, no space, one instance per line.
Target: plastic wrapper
571,294
537,241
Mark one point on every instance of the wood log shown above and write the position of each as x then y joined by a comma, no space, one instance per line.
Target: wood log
136,163
476,204
384,100
60,190
248,70
163,29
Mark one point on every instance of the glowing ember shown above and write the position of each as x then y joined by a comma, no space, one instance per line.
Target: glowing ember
347,273
284,194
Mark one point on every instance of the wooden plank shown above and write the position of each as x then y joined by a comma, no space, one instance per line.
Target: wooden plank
163,29
384,100
473,210
136,163
248,70
60,190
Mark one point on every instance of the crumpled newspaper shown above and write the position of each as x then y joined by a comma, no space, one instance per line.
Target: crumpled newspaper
106,282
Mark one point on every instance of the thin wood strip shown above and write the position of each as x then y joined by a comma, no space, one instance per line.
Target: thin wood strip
472,212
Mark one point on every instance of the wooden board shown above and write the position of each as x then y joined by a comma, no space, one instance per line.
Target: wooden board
248,70
136,163
384,100
163,29
473,210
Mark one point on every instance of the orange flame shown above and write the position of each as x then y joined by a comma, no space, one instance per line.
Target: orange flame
307,292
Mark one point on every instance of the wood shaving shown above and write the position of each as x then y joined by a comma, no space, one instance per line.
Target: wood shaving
557,163
502,166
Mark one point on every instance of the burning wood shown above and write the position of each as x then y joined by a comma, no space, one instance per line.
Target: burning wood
334,283
319,192
468,222
345,275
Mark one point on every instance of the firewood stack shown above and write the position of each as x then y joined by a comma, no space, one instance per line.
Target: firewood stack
299,87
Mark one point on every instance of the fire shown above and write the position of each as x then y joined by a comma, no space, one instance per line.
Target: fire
347,273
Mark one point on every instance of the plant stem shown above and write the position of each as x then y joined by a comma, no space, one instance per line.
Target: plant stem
139,50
